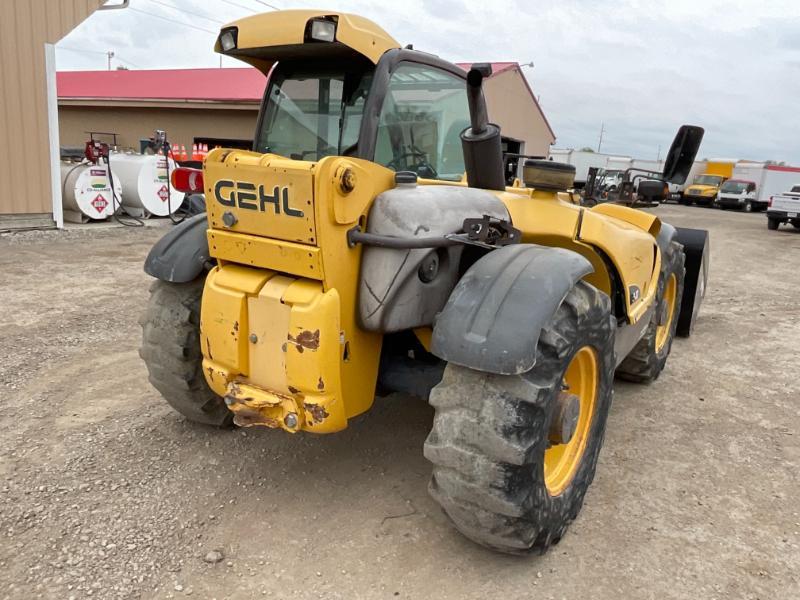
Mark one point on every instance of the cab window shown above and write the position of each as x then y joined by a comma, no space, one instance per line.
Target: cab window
310,115
423,115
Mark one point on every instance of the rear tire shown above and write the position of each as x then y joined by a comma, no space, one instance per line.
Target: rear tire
772,224
171,351
648,358
748,207
494,472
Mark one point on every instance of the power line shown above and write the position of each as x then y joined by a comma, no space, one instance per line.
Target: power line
149,14
252,10
188,12
127,61
267,5
79,50
115,55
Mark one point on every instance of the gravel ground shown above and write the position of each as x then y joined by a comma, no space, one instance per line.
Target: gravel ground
106,493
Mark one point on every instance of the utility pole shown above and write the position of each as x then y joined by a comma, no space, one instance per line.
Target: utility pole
658,156
110,55
602,130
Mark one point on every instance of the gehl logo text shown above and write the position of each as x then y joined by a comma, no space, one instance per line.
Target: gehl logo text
245,195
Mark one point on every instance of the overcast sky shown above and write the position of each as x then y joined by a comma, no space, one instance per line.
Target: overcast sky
641,68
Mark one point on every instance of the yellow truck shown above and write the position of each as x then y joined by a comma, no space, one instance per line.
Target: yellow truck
705,187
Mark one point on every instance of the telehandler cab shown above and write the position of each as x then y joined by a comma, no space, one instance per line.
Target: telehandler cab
368,243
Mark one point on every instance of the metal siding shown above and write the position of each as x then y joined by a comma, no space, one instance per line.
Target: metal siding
134,123
25,27
513,108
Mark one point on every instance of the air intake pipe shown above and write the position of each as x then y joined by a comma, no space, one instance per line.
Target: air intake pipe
483,152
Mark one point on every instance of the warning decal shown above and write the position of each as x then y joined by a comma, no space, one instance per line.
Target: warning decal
99,203
163,193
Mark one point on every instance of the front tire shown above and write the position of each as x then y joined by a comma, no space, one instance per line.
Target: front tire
648,358
171,351
772,224
497,471
748,207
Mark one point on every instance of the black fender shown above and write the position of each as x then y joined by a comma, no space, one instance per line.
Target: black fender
181,255
695,244
696,248
495,314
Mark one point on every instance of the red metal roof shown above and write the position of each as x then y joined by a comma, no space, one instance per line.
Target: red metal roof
200,85
240,84
194,85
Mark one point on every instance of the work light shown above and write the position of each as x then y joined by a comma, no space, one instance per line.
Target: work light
227,40
323,31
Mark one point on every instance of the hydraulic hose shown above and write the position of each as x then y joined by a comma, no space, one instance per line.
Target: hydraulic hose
356,236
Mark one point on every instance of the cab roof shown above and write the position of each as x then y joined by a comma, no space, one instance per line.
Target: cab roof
262,40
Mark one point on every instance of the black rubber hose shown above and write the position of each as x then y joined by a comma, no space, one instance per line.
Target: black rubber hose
356,236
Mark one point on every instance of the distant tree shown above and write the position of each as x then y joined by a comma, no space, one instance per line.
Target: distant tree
586,149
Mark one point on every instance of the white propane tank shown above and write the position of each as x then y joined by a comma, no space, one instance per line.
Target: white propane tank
144,184
86,192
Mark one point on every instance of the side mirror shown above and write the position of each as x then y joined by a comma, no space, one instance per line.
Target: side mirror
682,153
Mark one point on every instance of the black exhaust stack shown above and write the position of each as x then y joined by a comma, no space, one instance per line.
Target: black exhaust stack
483,152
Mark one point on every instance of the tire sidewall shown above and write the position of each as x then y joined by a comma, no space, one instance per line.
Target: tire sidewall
553,513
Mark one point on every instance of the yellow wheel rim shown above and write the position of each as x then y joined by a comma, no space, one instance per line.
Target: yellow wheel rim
670,295
561,461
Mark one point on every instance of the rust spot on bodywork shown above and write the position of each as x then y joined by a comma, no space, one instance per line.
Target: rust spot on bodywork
305,340
320,384
246,417
317,412
236,325
294,390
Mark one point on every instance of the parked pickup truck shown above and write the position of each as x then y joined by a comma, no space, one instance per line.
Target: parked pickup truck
784,208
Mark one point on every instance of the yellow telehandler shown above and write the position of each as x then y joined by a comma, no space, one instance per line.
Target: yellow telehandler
368,244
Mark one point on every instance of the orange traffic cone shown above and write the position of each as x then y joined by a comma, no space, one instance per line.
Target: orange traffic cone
204,151
184,156
195,153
